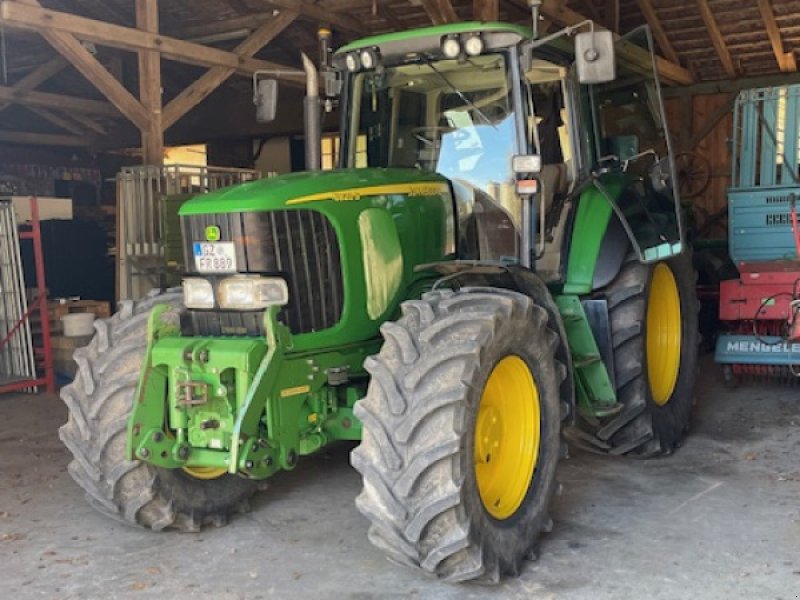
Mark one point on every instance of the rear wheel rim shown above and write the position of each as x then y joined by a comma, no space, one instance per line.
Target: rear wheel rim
663,334
507,436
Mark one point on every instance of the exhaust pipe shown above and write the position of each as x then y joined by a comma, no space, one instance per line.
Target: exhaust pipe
312,116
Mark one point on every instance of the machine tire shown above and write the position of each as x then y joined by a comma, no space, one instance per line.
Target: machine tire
99,402
645,428
417,459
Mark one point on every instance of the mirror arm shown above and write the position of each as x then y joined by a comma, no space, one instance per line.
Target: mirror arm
274,73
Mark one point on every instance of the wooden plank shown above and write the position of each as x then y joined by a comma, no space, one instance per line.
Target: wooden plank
58,101
485,10
321,15
36,18
716,38
38,76
786,60
43,139
440,11
669,72
651,16
150,86
211,80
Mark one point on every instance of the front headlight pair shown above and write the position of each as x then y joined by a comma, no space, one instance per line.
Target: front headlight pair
240,292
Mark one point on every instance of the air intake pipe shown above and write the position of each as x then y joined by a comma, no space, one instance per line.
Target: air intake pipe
312,116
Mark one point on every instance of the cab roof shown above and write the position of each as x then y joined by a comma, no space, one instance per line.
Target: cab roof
498,35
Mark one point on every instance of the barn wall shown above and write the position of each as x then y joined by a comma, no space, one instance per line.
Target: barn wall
714,147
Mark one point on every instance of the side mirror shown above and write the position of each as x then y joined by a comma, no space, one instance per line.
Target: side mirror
594,57
266,100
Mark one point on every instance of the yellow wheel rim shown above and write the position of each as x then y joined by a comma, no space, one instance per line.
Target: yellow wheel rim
507,435
205,472
663,334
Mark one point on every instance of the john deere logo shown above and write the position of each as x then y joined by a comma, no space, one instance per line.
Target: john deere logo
212,233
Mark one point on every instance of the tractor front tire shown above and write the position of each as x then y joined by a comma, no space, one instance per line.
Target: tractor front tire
461,433
653,312
100,401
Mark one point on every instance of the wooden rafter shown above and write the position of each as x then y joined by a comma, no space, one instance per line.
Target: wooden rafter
38,76
55,119
786,60
650,15
440,11
716,38
669,72
485,10
83,60
33,17
212,79
58,101
321,15
43,139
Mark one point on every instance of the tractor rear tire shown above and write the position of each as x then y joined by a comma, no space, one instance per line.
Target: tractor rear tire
429,499
656,408
100,401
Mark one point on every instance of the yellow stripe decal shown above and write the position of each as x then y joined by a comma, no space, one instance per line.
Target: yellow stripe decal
295,391
352,194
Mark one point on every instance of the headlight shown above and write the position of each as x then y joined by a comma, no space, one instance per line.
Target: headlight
197,293
368,58
451,47
352,63
474,45
248,292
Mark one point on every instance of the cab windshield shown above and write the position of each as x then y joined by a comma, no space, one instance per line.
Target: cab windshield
453,117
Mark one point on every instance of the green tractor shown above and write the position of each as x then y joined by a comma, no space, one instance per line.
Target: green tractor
498,265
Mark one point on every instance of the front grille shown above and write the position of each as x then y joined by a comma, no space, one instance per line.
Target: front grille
298,245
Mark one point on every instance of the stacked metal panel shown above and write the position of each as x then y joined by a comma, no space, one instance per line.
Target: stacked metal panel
144,209
17,361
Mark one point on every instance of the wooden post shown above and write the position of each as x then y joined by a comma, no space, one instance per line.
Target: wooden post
150,86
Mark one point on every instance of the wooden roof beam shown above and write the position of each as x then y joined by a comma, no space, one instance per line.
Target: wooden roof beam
85,62
58,101
212,79
786,60
440,11
650,15
43,139
38,76
58,121
36,18
320,14
485,10
716,38
668,71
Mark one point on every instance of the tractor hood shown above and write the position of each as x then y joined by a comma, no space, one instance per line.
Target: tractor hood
298,189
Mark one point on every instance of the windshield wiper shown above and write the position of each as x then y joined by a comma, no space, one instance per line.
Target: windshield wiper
458,92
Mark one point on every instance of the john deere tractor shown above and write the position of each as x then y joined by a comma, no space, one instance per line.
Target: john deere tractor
497,264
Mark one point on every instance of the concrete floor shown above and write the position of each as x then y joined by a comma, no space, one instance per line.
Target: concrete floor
719,519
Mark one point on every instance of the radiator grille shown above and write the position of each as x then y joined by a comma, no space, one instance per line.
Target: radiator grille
299,245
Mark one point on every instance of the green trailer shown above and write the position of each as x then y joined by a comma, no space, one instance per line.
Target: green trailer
497,266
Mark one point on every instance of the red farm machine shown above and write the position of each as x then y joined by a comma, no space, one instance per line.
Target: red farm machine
759,310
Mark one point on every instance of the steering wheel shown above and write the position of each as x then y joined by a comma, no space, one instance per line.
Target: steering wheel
430,135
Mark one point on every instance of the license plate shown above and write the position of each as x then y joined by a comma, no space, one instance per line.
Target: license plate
215,257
